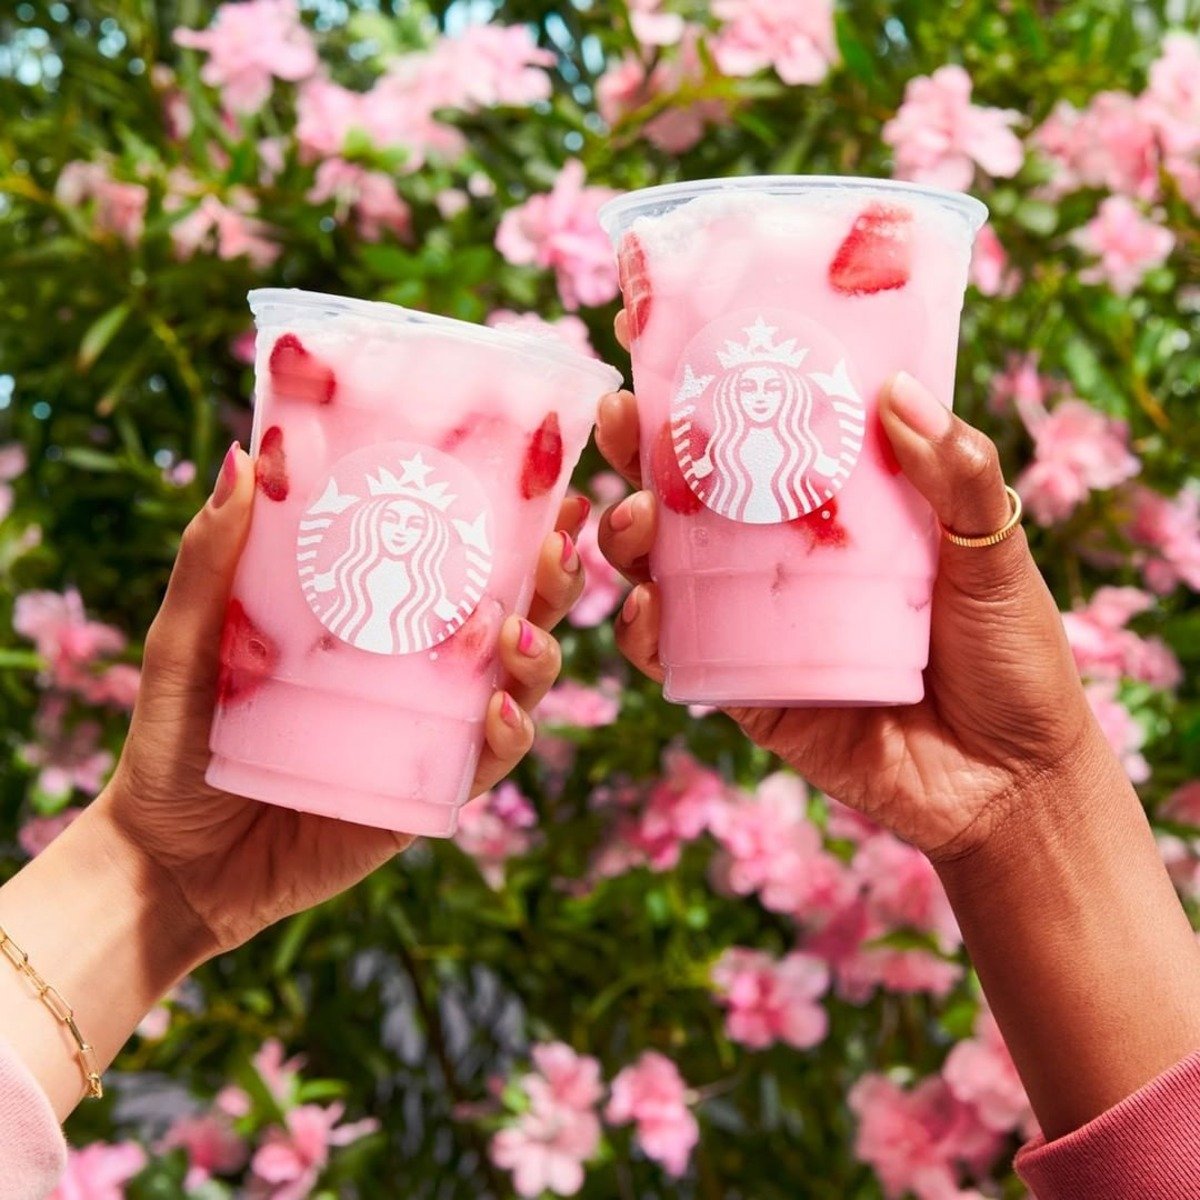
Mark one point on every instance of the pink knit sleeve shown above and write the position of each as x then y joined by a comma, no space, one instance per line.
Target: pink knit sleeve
1148,1146
33,1153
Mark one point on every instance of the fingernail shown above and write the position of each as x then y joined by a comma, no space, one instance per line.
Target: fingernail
530,641
227,478
918,408
585,508
629,609
510,714
570,560
621,517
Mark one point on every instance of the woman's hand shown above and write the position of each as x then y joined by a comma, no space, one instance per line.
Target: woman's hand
1003,705
238,865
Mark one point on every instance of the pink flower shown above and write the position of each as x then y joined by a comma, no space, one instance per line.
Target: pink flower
120,207
989,264
213,1147
494,828
1170,531
604,587
1122,732
99,1171
243,347
371,195
490,65
247,45
68,758
1183,805
680,807
652,26
1020,387
568,329
289,1161
629,86
326,113
1109,145
235,233
772,1000
772,849
576,704
279,1074
38,832
232,1101
1171,105
1076,450
1127,244
980,1072
917,1140
60,630
796,37
1105,649
559,231
116,685
903,890
653,1095
940,137
549,1143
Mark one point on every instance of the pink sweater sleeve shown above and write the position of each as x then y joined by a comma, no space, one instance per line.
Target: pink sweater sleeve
33,1153
1145,1148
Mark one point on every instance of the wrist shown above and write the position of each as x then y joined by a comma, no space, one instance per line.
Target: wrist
1064,815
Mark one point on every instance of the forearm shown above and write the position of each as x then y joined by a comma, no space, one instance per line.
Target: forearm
105,931
1082,947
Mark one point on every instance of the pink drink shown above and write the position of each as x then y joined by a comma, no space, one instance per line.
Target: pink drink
795,562
408,469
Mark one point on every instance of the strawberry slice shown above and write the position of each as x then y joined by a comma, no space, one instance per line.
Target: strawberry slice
822,529
248,656
669,483
270,468
543,459
475,642
489,427
876,255
298,374
883,447
635,284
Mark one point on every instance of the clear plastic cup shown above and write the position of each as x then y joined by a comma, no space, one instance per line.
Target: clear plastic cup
408,468
795,562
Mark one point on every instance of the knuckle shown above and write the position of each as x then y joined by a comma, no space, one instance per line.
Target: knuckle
978,458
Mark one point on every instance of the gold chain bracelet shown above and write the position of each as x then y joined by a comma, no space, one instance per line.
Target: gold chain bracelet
61,1010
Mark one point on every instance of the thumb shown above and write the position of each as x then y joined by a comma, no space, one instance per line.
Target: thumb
186,634
956,468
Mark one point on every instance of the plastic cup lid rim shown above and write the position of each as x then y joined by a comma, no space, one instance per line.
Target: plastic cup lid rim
262,299
614,214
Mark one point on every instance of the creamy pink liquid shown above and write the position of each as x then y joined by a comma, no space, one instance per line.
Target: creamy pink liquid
811,587
398,528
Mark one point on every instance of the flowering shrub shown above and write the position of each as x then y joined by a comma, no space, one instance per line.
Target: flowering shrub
650,964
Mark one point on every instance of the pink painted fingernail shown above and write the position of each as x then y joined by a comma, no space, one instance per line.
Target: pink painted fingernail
570,560
621,517
530,641
227,478
510,714
629,609
585,508
918,407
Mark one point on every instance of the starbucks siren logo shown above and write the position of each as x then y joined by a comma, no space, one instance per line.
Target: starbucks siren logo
767,425
395,552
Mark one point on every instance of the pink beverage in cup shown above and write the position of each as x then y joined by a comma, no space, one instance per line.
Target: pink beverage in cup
408,469
795,562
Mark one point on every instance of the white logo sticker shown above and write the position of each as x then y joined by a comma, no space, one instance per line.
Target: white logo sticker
395,552
766,422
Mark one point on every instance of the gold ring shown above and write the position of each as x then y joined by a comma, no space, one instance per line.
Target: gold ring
990,539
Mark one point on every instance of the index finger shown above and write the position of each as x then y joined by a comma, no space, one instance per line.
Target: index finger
617,435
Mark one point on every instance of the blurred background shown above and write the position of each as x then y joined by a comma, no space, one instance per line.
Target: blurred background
717,984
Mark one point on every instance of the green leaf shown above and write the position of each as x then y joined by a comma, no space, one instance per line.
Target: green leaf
100,334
